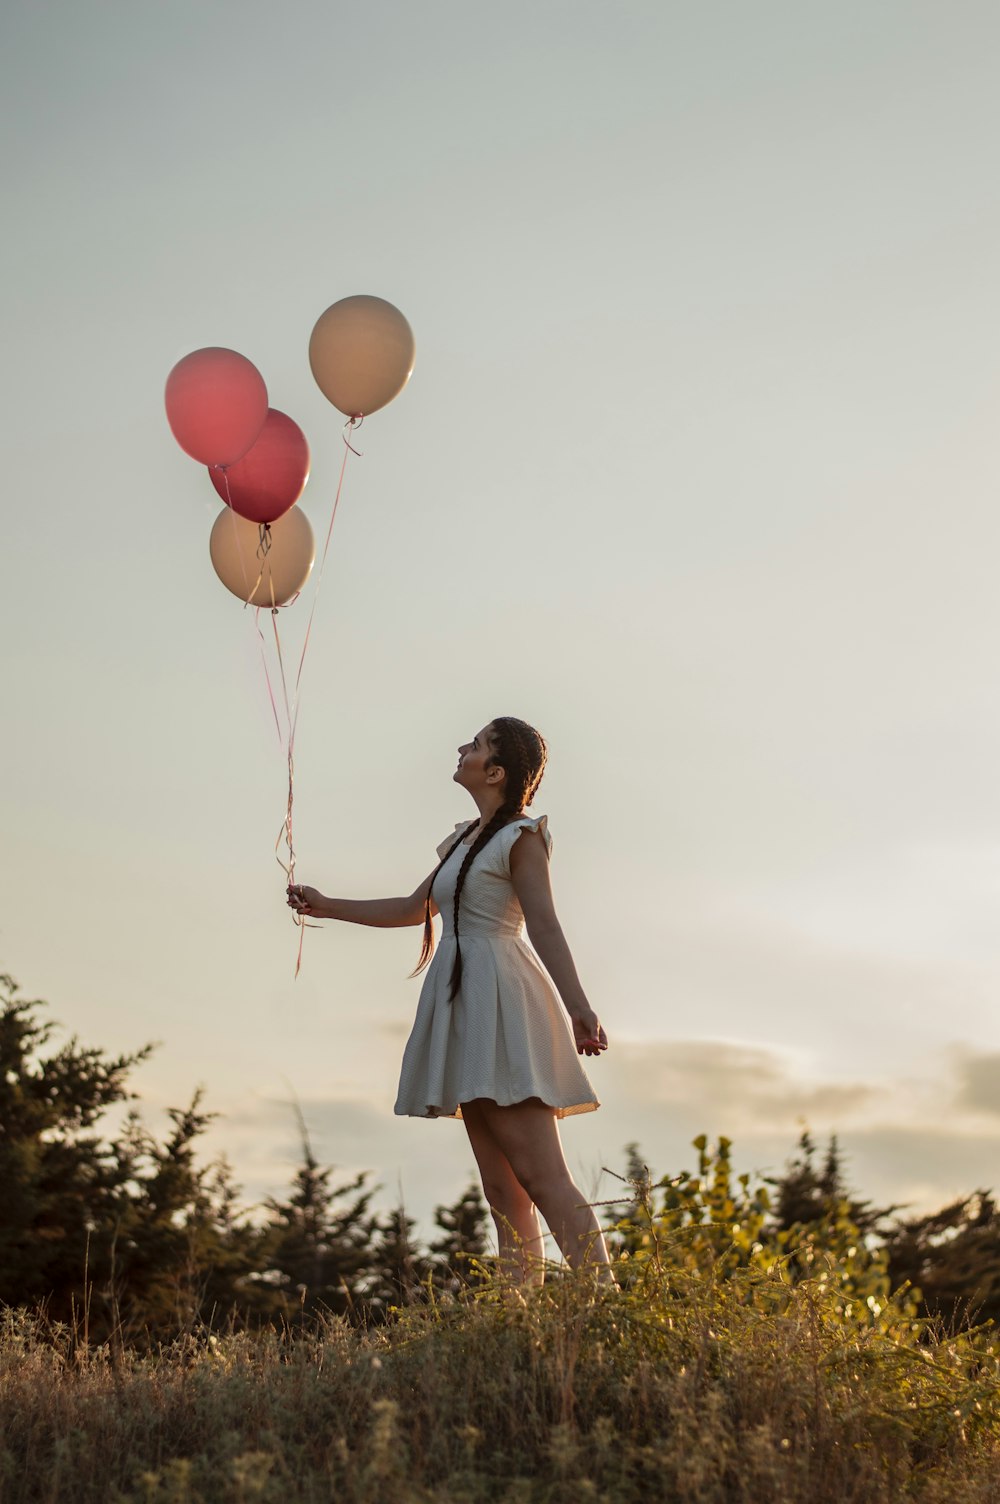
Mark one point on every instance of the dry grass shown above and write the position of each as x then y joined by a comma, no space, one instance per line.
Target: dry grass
677,1388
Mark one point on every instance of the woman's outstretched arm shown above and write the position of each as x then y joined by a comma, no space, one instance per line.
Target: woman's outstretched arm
384,913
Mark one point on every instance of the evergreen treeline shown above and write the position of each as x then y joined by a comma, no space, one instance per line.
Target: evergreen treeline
125,1237
131,1240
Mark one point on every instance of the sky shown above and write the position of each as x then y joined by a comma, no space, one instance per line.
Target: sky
696,471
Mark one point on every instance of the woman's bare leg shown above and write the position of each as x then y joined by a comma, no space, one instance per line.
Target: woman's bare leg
527,1136
519,1234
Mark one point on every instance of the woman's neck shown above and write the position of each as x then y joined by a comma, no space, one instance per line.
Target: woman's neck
488,806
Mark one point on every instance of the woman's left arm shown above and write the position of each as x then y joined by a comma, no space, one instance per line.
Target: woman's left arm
529,871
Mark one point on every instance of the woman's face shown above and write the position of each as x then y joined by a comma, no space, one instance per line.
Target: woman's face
472,771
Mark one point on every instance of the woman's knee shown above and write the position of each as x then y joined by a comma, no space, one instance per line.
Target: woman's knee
542,1183
541,1175
507,1198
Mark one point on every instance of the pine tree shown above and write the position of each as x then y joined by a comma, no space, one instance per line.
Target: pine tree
120,1236
458,1256
317,1251
806,1195
400,1266
953,1257
179,1251
61,1185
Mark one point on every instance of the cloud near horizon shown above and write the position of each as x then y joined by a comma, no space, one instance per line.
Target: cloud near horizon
914,1140
979,1084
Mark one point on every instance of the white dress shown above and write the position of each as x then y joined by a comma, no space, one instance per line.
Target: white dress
506,1036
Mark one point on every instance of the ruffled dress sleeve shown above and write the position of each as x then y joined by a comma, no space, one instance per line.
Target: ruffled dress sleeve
502,844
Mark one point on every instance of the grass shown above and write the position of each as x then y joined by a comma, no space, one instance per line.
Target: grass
678,1387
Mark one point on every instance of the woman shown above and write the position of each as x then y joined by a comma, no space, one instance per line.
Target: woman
490,1043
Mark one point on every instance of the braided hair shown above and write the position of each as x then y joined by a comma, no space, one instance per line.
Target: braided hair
521,752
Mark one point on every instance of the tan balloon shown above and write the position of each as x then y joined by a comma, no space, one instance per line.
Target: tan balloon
361,352
263,576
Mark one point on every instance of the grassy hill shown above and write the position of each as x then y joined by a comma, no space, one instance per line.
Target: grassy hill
687,1385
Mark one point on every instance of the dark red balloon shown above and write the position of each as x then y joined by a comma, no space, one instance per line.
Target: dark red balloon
271,476
216,404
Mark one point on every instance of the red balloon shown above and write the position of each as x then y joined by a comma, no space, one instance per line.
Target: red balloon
271,476
216,405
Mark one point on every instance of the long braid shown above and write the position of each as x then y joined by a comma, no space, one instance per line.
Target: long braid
521,752
501,818
510,739
427,948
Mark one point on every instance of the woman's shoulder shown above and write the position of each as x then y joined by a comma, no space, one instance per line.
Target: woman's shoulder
511,833
531,822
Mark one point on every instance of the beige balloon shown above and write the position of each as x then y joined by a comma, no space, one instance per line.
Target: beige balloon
261,575
361,352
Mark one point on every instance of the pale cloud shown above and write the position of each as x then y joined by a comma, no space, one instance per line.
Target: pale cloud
979,1084
919,1139
757,1086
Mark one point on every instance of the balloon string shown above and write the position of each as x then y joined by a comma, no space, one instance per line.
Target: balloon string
281,666
292,707
267,678
248,593
263,549
286,826
285,833
349,449
291,715
251,593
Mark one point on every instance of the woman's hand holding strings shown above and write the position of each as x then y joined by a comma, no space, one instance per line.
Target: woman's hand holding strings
304,900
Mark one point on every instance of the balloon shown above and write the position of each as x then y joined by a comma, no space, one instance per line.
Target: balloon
216,404
271,476
361,353
262,578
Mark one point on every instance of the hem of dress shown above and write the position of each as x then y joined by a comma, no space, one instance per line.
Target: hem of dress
561,1110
